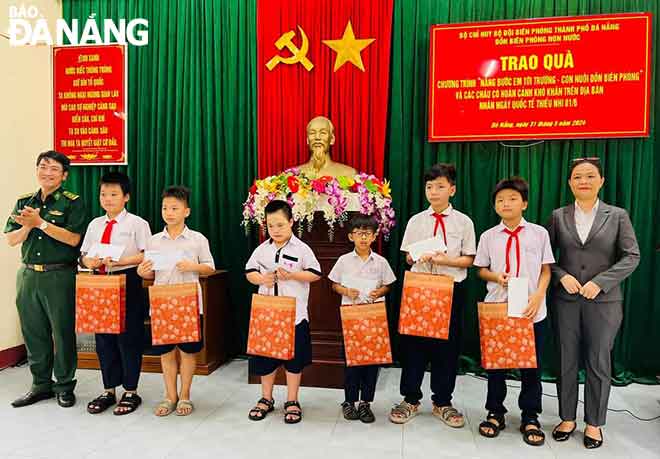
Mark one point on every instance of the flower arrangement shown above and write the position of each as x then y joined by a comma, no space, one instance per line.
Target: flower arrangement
335,197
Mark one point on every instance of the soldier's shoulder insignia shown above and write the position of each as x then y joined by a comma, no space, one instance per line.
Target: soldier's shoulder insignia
26,195
70,195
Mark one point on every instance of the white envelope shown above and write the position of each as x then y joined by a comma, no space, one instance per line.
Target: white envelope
106,250
427,246
164,261
518,294
364,286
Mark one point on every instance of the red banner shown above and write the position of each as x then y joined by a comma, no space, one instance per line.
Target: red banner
89,103
329,58
562,77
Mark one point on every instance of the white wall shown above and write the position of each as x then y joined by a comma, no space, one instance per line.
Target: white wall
25,130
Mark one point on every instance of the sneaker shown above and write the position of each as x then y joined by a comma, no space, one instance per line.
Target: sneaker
350,413
365,413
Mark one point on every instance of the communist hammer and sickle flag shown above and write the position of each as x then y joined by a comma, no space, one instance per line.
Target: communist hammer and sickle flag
338,65
298,55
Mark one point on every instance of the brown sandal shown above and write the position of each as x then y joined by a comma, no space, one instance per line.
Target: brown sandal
449,415
403,412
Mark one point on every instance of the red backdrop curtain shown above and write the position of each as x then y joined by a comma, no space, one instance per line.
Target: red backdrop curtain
289,95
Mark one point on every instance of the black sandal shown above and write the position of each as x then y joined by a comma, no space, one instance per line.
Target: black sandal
528,433
297,414
350,413
257,413
366,415
131,401
488,424
101,403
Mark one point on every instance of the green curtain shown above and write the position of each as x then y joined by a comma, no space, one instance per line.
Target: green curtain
191,121
632,170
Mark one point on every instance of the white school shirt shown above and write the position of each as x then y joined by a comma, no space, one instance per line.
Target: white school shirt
195,247
461,239
375,267
535,251
585,220
130,231
293,256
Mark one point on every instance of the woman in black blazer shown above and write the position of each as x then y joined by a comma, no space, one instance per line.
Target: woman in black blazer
597,251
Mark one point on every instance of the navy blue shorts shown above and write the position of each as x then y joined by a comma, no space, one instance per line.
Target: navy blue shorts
188,348
302,355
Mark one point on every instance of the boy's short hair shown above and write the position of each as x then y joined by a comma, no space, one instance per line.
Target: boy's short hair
518,184
117,178
363,222
277,205
56,156
179,192
593,160
445,170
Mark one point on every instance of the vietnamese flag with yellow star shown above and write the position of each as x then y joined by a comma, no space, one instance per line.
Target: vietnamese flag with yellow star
323,58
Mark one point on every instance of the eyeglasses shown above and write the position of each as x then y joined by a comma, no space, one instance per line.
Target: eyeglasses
363,234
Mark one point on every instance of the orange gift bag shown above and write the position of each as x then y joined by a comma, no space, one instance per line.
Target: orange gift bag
426,305
366,335
506,342
174,313
272,326
100,303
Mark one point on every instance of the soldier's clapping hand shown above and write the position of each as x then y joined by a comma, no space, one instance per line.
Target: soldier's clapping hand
29,217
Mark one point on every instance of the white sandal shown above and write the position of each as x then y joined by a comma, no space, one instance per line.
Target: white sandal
183,404
167,405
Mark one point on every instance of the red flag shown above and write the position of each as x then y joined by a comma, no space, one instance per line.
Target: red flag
339,58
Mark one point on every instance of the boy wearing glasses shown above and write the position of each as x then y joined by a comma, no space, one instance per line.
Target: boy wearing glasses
362,266
456,229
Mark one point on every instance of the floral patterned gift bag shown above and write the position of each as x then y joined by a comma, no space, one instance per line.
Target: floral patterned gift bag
426,305
366,334
174,313
272,326
100,303
506,342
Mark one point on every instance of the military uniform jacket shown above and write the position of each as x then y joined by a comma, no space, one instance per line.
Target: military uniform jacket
61,208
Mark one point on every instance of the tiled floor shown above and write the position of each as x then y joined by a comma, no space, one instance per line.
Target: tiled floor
219,427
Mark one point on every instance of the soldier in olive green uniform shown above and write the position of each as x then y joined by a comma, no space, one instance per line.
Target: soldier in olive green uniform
48,224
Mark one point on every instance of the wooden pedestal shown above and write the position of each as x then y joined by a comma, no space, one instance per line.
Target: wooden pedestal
216,330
